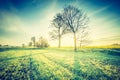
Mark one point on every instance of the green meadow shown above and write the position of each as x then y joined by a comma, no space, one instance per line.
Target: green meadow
60,64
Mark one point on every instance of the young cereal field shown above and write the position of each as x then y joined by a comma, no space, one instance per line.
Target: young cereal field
60,64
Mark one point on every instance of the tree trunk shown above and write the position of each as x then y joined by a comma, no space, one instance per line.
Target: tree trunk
34,44
75,48
59,41
81,43
59,44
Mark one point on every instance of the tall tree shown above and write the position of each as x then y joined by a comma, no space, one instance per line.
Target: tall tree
33,40
75,19
59,28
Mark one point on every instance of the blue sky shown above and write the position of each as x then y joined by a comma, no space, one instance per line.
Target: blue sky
22,19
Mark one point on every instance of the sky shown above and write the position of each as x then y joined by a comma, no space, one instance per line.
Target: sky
22,19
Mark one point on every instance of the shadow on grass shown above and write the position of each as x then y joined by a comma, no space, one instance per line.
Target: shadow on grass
114,52
25,70
6,49
5,59
34,73
80,75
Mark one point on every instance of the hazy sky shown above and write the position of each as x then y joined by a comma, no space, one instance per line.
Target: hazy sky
22,19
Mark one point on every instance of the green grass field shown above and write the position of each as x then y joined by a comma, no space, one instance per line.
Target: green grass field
60,64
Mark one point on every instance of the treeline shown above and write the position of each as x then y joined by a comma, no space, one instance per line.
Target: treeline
34,43
40,43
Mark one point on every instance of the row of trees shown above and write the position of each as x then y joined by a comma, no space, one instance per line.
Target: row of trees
41,43
70,20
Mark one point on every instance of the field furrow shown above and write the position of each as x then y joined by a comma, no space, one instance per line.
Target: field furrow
51,68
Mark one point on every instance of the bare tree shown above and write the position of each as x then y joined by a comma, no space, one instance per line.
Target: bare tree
33,40
75,19
82,37
59,28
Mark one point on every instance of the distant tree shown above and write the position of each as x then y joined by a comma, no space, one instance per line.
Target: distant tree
82,37
75,19
59,29
38,44
30,44
23,45
6,45
116,44
33,40
42,43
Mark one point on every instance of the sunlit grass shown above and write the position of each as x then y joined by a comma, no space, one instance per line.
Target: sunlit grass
60,64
